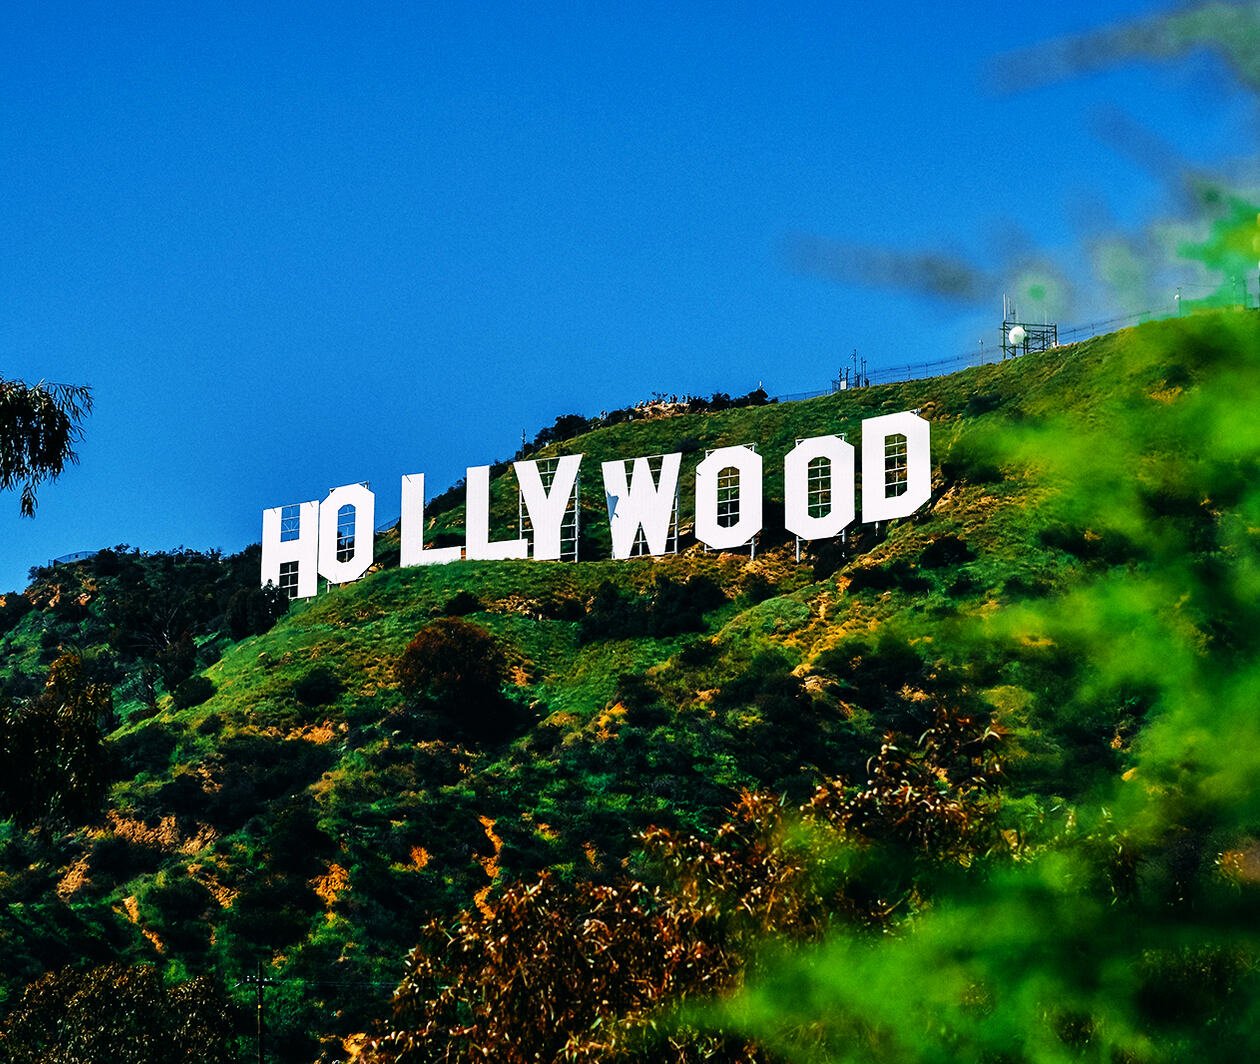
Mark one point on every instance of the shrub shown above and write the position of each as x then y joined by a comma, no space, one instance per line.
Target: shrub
613,614
672,609
1107,546
177,906
252,770
13,607
965,584
827,556
701,652
271,913
451,659
678,608
115,859
182,795
460,604
211,725
253,610
945,550
177,662
454,671
592,953
53,760
444,501
147,749
642,701
756,588
973,458
192,692
895,575
318,687
873,671
982,403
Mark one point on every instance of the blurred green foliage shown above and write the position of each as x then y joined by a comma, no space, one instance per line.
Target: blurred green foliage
1121,923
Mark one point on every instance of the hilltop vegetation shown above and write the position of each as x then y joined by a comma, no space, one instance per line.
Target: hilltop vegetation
951,700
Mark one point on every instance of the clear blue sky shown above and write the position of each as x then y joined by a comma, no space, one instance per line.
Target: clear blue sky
321,243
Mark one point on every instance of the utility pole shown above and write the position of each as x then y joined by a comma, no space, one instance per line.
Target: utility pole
258,982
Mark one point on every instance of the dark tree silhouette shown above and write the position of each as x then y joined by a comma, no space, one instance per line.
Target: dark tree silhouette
53,762
39,426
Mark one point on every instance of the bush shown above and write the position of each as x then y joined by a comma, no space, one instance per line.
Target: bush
756,588
672,609
318,687
271,913
54,765
613,615
895,575
1108,546
444,501
182,795
178,906
946,550
642,701
253,770
454,671
253,610
973,458
873,671
114,859
460,604
451,659
700,653
678,608
293,843
192,692
827,556
13,607
147,749
177,662
982,403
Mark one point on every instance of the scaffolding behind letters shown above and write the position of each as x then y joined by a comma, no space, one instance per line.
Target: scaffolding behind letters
570,524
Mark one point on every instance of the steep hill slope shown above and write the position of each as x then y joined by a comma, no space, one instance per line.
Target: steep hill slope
299,808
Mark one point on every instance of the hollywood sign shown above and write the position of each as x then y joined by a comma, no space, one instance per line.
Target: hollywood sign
304,541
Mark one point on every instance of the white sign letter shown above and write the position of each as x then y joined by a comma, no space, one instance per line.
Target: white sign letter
838,487
881,457
290,548
547,509
411,528
477,516
641,503
746,510
347,533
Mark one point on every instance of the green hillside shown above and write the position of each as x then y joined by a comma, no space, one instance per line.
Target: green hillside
297,807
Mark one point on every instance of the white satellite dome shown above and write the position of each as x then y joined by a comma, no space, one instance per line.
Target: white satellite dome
1017,336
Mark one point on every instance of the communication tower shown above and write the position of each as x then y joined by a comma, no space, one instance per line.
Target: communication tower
1021,337
853,375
